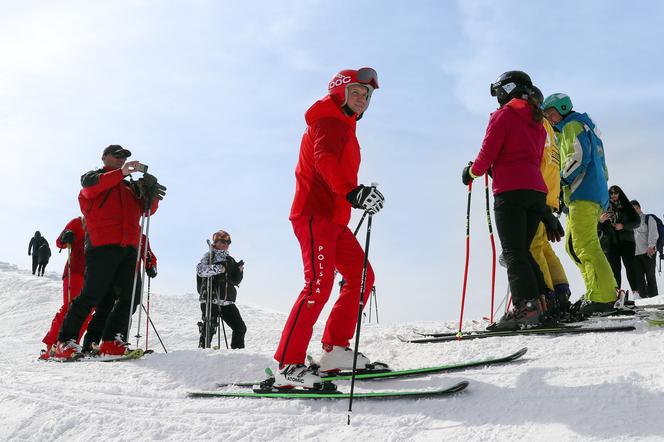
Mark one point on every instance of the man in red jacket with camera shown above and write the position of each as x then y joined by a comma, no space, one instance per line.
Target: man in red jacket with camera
112,208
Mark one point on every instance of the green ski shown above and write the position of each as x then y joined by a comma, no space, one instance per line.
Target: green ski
414,372
298,393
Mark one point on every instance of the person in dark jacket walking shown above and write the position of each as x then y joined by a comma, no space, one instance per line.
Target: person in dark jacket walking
225,275
616,229
512,149
33,249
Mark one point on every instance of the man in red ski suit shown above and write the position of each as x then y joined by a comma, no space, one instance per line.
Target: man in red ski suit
112,208
326,188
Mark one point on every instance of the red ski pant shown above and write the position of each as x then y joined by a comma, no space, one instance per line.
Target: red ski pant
76,286
325,246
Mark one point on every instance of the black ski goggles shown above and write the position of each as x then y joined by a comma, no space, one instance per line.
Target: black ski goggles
368,76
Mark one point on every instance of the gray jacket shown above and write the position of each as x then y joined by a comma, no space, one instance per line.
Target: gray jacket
645,235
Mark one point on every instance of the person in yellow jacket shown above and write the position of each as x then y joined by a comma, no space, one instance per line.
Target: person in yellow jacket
556,281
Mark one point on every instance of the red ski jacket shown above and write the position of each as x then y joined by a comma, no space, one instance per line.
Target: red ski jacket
111,208
513,148
77,258
329,161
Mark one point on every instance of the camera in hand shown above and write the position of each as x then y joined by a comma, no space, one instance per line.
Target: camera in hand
142,168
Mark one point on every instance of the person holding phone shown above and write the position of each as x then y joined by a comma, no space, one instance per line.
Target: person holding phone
112,207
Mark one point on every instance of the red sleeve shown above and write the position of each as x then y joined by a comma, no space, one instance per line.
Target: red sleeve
75,226
496,132
96,183
330,137
152,258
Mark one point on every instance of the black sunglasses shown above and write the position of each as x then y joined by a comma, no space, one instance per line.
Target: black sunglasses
223,241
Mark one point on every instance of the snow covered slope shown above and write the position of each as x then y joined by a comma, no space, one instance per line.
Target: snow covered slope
588,387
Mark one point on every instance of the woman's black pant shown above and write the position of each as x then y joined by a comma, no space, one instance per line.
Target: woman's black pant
623,250
518,214
231,316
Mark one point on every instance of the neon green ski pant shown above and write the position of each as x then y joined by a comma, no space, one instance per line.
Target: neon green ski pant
582,245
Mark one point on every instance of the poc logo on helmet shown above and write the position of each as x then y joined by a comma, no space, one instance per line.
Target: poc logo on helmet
338,81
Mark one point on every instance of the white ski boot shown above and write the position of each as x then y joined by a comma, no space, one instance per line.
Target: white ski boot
336,358
297,375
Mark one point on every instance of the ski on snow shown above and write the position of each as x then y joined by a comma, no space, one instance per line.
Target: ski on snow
300,393
450,336
130,356
656,319
398,374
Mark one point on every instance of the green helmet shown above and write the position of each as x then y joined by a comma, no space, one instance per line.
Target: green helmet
561,102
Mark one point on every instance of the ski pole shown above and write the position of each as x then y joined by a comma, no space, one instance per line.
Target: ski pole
147,318
357,229
221,316
68,274
493,244
155,331
359,316
208,304
144,261
465,272
136,268
375,298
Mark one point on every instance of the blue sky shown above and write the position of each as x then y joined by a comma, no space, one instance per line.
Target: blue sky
211,95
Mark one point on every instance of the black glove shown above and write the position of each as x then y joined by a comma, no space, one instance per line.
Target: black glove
466,178
554,230
240,264
67,237
149,186
151,272
367,198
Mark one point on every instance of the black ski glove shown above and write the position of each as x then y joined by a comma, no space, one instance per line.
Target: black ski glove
149,186
554,230
151,272
466,177
367,198
67,237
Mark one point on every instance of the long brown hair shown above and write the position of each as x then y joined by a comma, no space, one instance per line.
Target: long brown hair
536,110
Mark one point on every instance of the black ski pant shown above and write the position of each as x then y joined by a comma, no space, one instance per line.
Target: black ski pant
35,262
41,267
103,309
231,316
106,267
623,250
645,269
518,214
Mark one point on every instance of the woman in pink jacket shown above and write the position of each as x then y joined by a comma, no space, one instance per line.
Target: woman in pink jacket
512,149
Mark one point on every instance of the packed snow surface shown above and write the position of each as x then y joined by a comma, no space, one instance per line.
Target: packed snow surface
606,386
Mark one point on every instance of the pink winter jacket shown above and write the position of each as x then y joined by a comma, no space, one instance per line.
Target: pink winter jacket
513,146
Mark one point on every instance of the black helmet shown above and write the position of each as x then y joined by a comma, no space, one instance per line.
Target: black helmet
511,84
